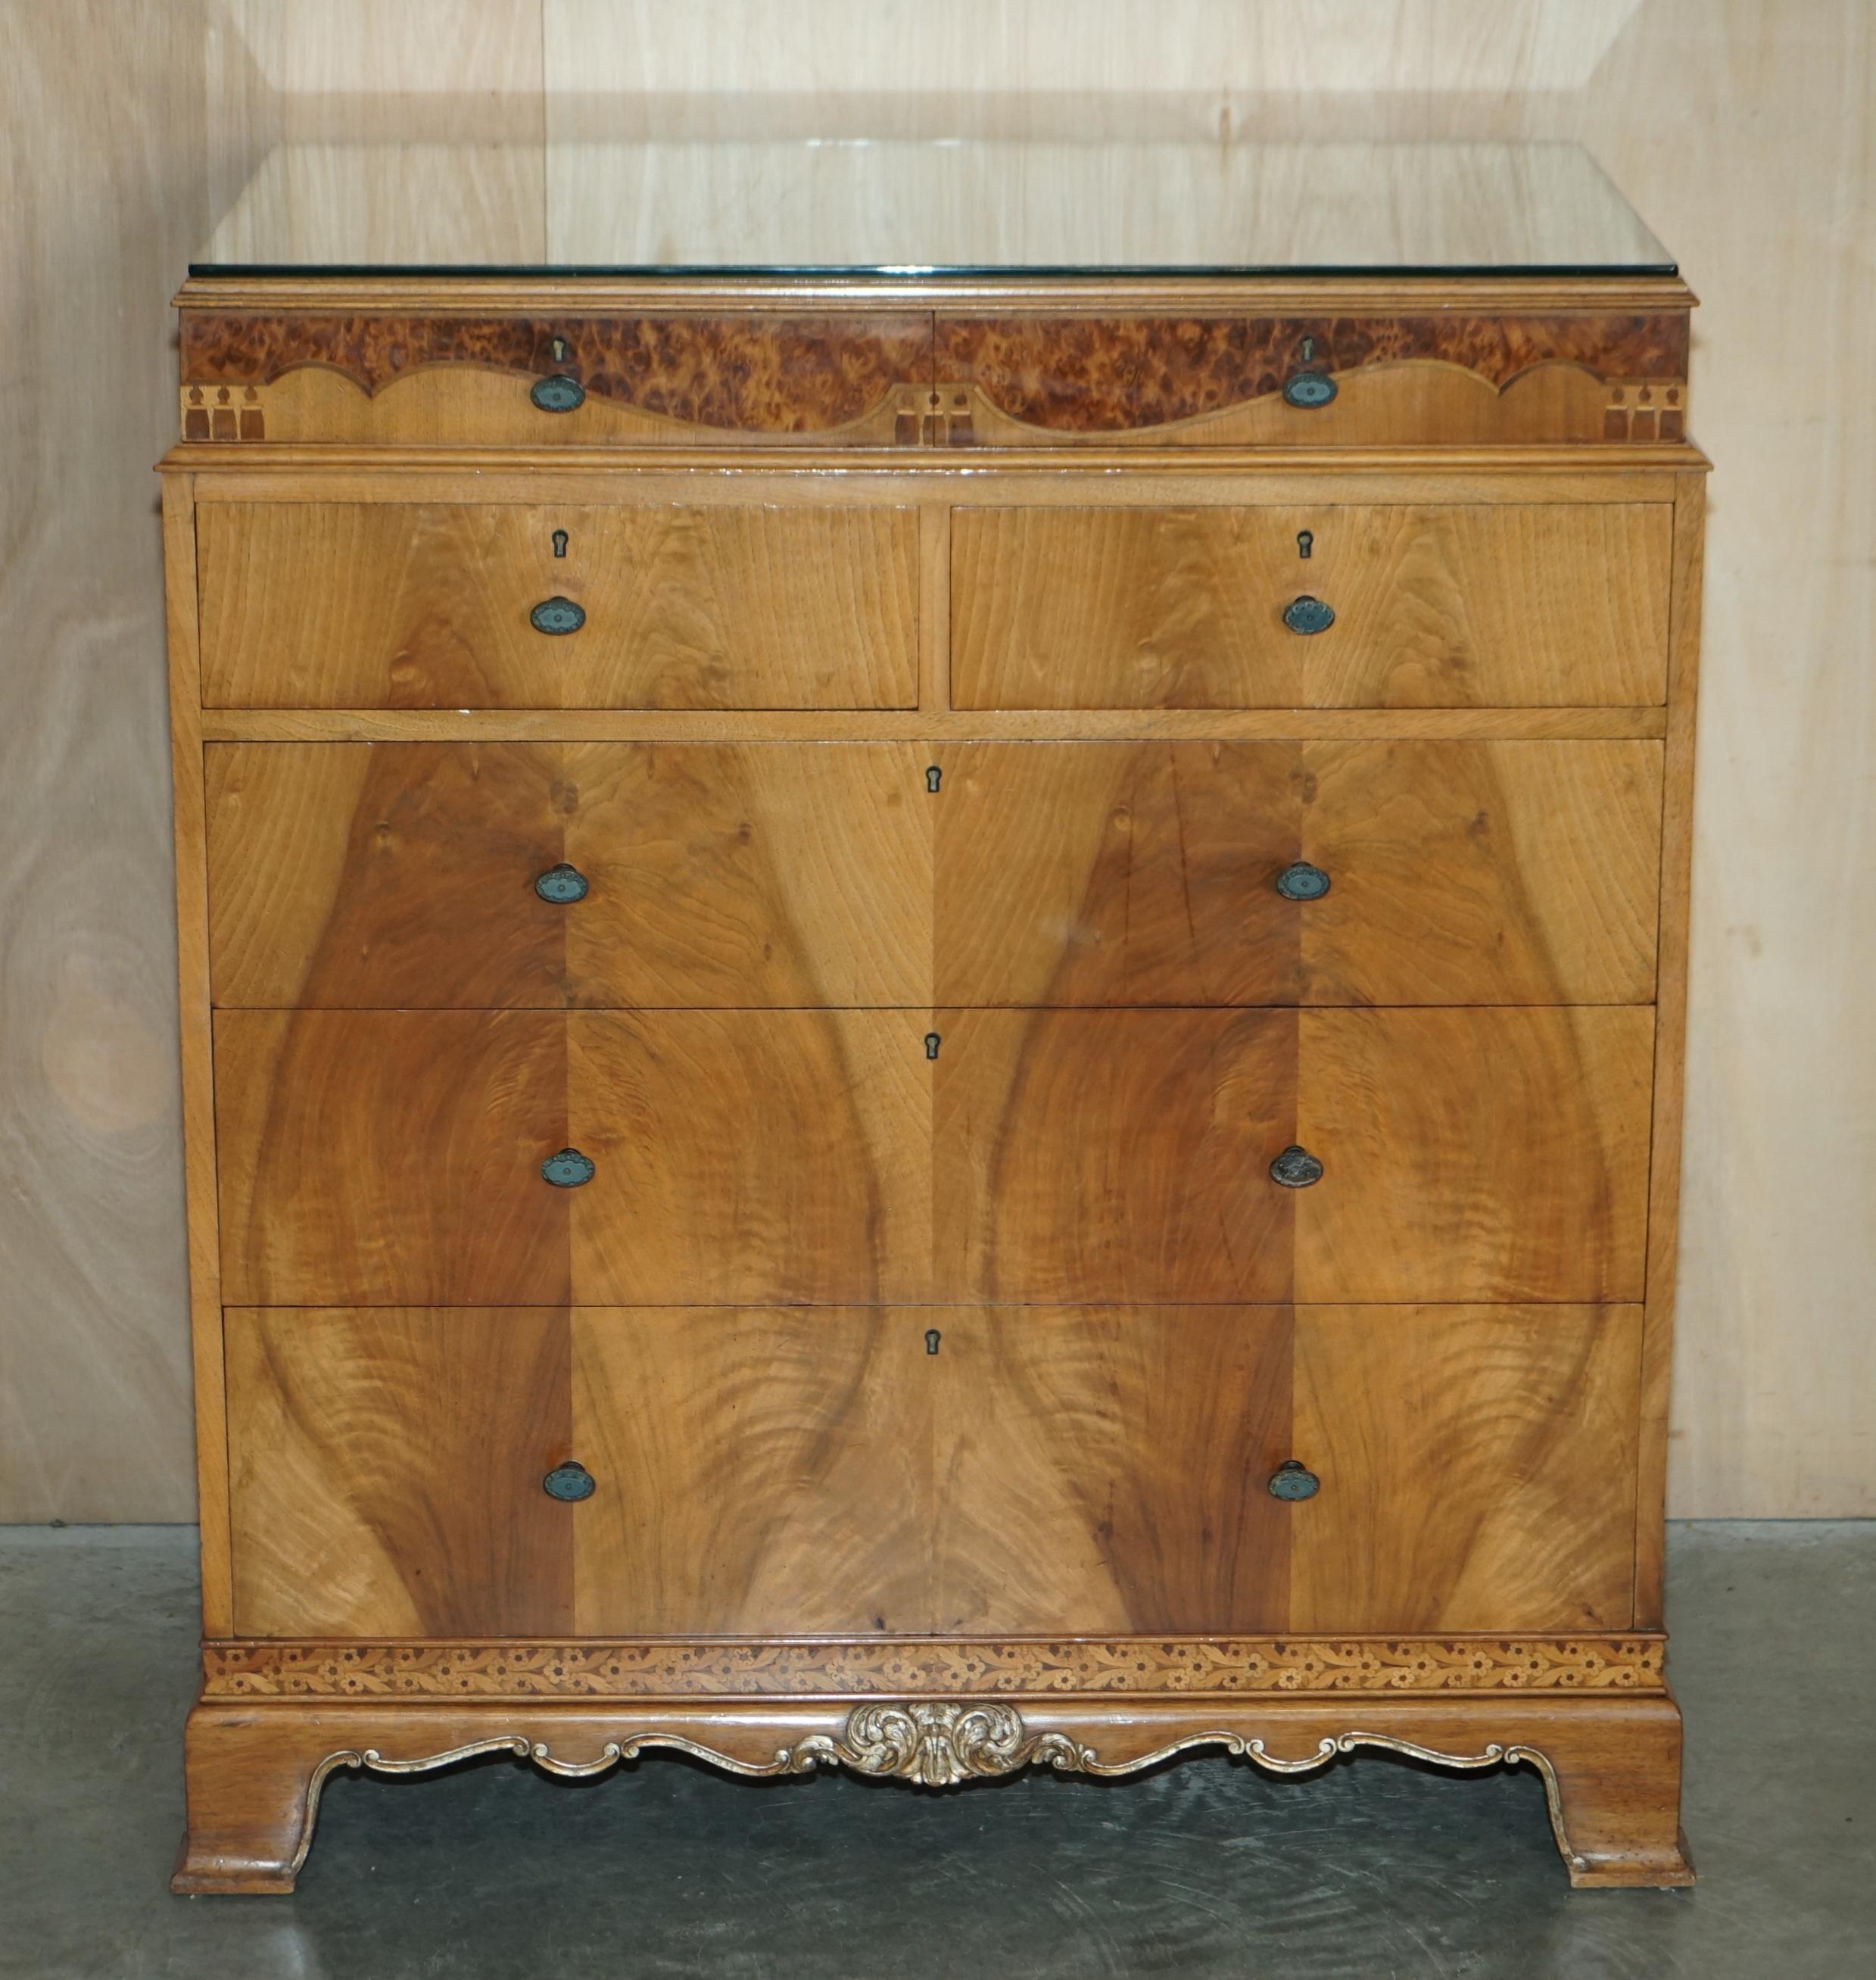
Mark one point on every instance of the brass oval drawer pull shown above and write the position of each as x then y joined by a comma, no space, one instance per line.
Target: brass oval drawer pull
1308,388
572,1481
1292,1479
1308,615
1303,882
557,394
562,884
557,615
568,1170
1296,1168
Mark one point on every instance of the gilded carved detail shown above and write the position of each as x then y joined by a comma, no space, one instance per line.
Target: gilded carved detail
1140,1666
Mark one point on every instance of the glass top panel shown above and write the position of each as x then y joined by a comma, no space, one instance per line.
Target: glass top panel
902,207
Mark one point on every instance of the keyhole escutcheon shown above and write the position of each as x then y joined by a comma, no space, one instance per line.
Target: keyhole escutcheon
932,1337
559,543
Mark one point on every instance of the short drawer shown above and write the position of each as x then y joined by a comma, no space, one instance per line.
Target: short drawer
1195,873
435,875
478,605
378,1158
770,1471
1402,606
1458,1154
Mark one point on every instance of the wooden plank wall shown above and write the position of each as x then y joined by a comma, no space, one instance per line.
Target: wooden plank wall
1746,134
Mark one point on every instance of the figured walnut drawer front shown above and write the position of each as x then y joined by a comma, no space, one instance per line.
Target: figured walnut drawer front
1492,604
691,875
1466,1154
1091,873
931,1469
397,605
382,1156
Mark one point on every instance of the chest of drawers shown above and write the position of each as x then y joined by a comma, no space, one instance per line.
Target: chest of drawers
932,1026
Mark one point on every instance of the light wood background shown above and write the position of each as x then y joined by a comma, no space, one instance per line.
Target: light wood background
1744,129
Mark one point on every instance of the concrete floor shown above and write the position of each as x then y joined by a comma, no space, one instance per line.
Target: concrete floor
1376,1869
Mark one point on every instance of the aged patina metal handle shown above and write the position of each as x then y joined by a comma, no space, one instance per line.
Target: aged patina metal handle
561,885
1303,882
568,1170
557,394
557,615
1308,388
1308,615
572,1481
1296,1168
1293,1479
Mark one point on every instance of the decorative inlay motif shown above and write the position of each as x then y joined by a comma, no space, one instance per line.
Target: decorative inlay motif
1106,374
736,373
663,1669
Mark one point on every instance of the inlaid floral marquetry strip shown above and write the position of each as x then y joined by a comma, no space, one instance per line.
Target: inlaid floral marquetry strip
669,1669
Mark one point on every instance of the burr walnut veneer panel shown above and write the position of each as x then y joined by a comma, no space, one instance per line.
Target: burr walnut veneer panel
1562,604
363,605
1084,1469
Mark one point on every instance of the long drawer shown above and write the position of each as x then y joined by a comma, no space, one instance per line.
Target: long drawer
469,605
787,1471
386,1156
1386,606
805,875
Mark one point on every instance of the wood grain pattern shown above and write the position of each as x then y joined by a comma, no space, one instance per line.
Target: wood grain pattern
104,201
381,1157
1113,1154
1144,873
734,374
763,1472
341,605
1098,1155
1476,1462
1435,606
782,1472
751,1156
718,875
386,1468
1108,1465
1116,373
1474,1154
387,1157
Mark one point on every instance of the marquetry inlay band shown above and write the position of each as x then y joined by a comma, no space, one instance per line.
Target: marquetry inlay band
670,1669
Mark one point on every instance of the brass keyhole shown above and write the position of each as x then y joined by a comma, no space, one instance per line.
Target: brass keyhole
932,1337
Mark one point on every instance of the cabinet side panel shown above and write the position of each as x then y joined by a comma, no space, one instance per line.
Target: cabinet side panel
198,1087
1670,1040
